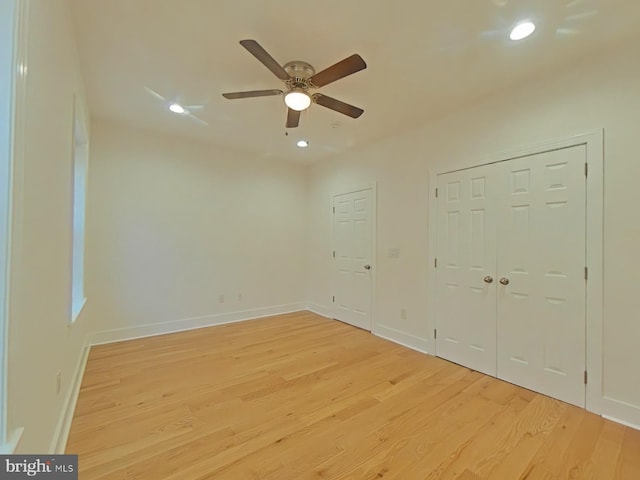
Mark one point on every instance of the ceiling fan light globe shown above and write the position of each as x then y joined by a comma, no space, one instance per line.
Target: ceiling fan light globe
297,100
522,30
177,108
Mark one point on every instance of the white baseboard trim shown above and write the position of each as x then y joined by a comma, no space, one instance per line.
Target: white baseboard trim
150,330
622,422
9,448
405,339
61,434
321,310
621,412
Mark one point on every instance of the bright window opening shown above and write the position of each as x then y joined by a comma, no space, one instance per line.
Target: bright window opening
7,29
80,170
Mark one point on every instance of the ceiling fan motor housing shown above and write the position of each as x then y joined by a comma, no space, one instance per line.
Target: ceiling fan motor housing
300,72
298,69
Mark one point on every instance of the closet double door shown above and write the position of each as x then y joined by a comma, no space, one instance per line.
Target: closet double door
510,271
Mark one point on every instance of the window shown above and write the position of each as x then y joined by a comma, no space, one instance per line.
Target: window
8,17
80,168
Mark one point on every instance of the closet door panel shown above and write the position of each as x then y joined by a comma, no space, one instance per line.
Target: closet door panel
466,320
541,260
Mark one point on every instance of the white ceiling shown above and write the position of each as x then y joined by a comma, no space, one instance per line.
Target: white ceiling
424,58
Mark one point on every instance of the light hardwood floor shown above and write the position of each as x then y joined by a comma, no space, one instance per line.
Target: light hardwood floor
301,397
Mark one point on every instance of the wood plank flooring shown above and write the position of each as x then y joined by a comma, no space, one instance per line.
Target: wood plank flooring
301,397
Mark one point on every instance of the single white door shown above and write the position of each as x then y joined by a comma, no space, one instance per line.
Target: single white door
541,270
353,244
466,289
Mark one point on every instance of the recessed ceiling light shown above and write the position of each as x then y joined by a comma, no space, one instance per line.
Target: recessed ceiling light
176,108
302,143
522,30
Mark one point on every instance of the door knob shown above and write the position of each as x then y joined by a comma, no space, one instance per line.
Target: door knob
488,279
367,267
504,281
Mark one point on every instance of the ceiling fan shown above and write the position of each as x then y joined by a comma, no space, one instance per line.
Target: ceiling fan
300,77
178,108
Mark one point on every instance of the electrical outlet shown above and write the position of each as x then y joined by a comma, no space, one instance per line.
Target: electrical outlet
240,297
394,253
221,298
58,382
403,313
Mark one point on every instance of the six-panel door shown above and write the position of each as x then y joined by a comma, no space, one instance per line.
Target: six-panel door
520,223
466,268
541,252
353,241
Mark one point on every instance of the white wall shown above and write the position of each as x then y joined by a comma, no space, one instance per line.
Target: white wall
599,93
40,340
174,224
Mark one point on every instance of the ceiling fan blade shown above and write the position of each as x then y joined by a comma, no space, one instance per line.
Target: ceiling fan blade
253,93
155,94
337,105
342,69
267,60
293,118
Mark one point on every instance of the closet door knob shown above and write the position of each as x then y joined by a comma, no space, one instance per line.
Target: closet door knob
504,281
488,279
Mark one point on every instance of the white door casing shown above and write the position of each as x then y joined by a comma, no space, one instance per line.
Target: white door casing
353,254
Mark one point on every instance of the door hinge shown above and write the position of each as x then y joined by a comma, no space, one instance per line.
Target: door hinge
435,262
334,254
333,299
334,209
586,273
436,193
435,333
585,377
586,169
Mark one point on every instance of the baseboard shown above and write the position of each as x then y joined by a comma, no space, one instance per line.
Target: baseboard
150,330
61,434
621,412
321,310
405,339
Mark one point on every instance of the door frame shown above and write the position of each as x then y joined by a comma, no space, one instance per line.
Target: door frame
374,234
594,144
